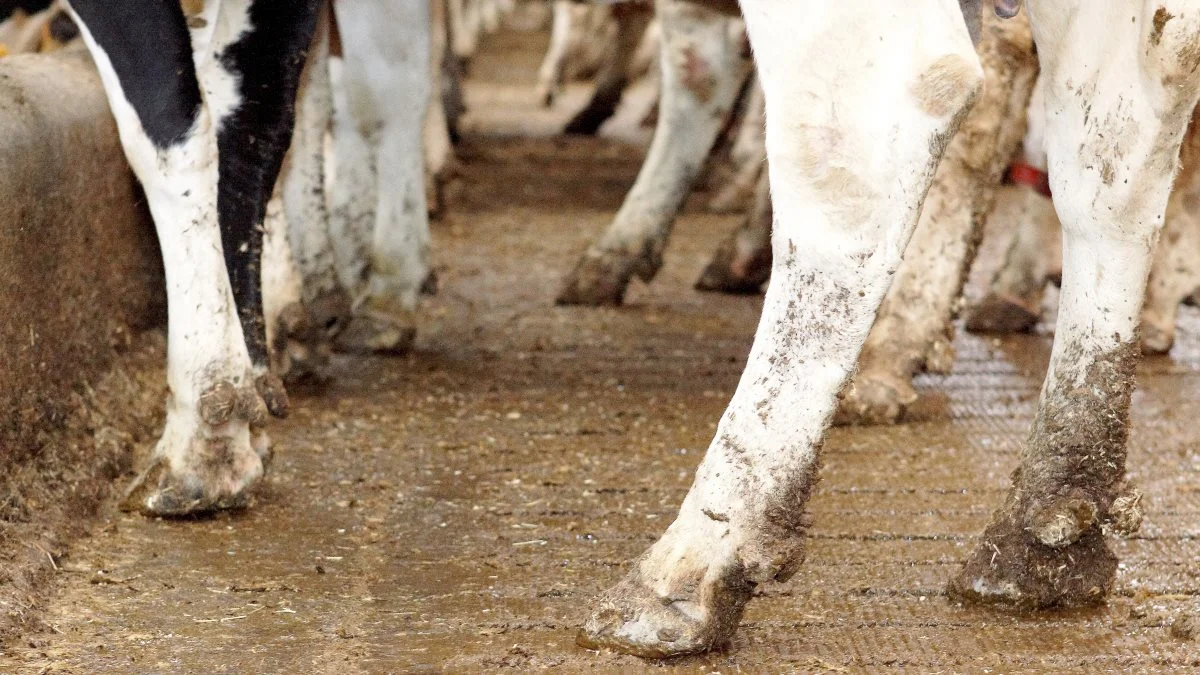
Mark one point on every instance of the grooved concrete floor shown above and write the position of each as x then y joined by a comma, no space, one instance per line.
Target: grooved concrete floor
458,509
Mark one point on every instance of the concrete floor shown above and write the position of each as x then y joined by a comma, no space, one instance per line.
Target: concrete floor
458,509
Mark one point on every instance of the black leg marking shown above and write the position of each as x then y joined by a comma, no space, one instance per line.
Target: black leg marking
251,143
148,44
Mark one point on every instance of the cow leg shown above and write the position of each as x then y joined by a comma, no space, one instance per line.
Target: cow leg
703,69
747,153
206,457
553,69
436,137
914,329
385,72
1114,127
614,74
853,137
304,330
250,70
1014,300
742,262
1175,273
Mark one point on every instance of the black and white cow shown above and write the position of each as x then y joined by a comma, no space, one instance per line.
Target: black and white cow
861,100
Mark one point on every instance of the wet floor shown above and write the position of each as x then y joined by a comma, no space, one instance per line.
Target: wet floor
459,508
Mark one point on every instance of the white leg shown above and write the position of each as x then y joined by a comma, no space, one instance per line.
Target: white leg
551,73
205,457
1175,272
386,49
282,286
853,138
703,67
914,329
748,153
1119,94
350,186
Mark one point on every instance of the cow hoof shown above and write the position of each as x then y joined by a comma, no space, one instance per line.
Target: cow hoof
308,332
1156,339
600,278
373,335
875,399
730,273
1002,314
1012,566
634,619
209,457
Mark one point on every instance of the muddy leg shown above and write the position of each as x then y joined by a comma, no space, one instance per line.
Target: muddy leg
845,205
913,331
703,69
302,332
1175,272
1113,138
742,263
614,73
1014,301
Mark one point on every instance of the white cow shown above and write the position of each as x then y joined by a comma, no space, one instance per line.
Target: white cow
861,99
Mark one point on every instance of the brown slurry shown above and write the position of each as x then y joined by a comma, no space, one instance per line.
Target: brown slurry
460,508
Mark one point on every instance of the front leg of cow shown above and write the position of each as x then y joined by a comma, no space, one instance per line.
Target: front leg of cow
210,452
1113,139
703,67
861,98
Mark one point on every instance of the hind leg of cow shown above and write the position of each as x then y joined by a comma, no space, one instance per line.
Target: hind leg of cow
614,72
914,329
1114,128
385,68
742,262
1175,273
1013,303
703,69
845,203
209,454
1014,300
748,154
303,331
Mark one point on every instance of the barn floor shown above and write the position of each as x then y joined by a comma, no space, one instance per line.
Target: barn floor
458,509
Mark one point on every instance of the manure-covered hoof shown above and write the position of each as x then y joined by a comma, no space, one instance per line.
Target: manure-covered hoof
632,618
1156,339
735,272
874,399
600,278
209,457
1001,314
1013,566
